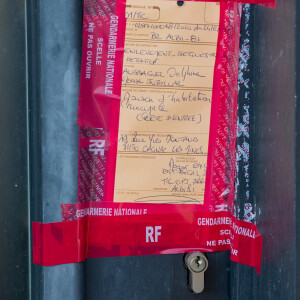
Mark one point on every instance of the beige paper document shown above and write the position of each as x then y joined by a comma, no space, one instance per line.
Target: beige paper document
166,95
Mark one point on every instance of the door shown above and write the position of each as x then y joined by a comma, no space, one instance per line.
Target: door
40,66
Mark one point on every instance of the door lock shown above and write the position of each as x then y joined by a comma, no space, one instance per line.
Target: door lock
197,264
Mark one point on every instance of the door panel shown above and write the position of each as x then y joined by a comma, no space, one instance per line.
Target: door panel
52,30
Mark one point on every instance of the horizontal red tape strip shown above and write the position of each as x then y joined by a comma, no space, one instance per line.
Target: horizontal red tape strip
267,3
169,233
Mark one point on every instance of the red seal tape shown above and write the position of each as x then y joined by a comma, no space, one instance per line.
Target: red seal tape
113,234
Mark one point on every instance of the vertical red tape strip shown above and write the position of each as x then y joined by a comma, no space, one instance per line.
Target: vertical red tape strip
219,186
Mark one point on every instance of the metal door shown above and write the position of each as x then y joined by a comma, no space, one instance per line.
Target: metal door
39,80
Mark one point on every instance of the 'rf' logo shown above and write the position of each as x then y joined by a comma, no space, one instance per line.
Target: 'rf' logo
152,234
97,146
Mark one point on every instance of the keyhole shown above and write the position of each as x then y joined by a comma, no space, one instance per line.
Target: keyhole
180,3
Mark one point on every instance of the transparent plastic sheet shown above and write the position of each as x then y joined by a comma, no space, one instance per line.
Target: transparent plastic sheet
99,226
245,208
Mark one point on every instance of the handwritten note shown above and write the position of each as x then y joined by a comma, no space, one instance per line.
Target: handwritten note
166,94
